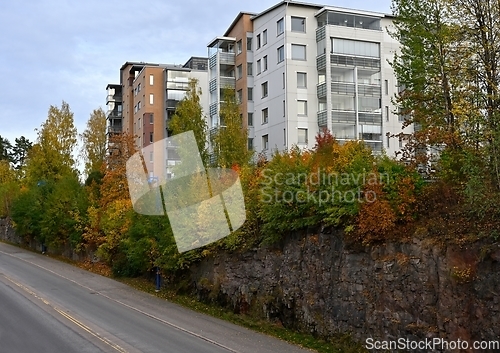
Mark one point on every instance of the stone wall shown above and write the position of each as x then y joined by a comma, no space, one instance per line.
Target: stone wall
317,283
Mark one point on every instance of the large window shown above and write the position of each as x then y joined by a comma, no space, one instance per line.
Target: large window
264,89
250,93
280,27
258,41
298,24
151,98
151,80
250,119
264,37
301,80
265,115
239,96
249,43
258,67
302,136
281,54
298,52
355,47
264,63
239,47
249,69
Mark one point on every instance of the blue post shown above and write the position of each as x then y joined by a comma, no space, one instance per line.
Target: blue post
158,278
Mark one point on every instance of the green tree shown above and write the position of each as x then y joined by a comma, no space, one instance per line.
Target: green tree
189,117
5,149
20,151
425,68
94,142
230,141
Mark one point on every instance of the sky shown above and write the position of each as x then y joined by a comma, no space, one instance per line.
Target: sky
55,50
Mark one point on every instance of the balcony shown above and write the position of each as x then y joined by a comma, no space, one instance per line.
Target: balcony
213,108
321,62
113,114
223,58
116,98
366,63
321,90
343,88
114,129
376,146
171,103
322,118
370,90
339,116
370,118
227,81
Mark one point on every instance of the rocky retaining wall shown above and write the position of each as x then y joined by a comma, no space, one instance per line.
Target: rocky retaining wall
317,283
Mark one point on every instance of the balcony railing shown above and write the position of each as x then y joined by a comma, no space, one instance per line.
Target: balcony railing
321,90
339,116
171,103
343,88
370,90
224,58
321,62
114,129
342,60
322,118
370,118
212,85
226,81
213,108
117,98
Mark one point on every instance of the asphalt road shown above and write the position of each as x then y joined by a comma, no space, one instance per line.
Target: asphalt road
50,306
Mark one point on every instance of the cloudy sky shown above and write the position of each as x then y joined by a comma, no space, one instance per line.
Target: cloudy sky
55,50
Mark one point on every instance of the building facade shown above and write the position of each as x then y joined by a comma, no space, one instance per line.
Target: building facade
298,68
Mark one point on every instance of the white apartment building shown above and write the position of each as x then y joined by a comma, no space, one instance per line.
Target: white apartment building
311,67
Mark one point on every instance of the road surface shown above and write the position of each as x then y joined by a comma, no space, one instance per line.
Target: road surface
50,306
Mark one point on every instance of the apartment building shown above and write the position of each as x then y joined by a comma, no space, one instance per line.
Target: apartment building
298,68
144,102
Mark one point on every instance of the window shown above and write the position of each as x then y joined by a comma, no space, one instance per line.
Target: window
388,138
151,137
283,80
151,79
386,113
298,24
239,96
284,137
265,142
301,80
301,107
138,88
258,67
249,43
264,89
151,118
250,119
151,98
264,37
239,72
249,69
250,93
298,52
355,47
264,62
281,54
284,107
250,144
302,136
386,87
139,105
239,47
150,156
401,144
258,41
280,27
265,115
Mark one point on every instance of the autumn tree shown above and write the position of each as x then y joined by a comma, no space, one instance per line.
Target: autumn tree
94,142
189,117
230,141
52,156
